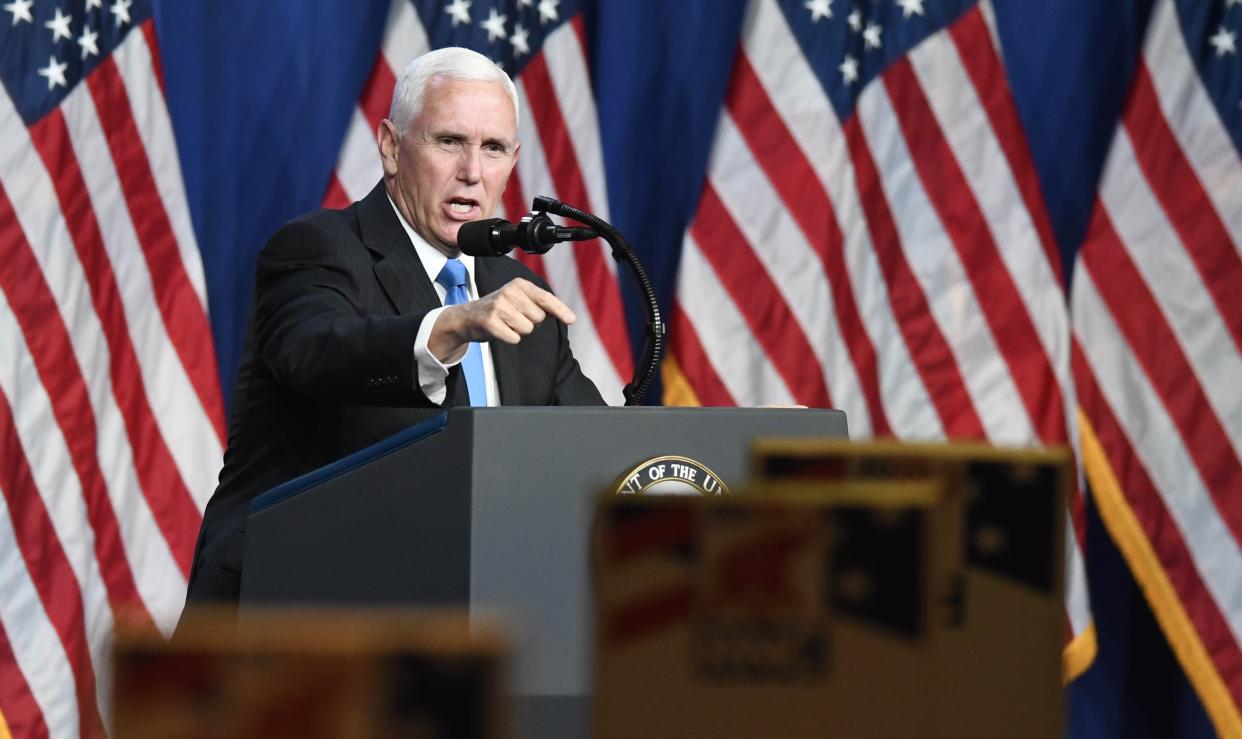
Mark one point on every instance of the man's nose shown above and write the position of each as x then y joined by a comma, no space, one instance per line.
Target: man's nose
470,166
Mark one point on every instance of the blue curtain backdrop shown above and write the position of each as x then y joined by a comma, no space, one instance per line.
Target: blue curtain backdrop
261,94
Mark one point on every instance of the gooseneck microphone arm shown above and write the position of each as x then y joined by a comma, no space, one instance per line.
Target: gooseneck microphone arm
655,330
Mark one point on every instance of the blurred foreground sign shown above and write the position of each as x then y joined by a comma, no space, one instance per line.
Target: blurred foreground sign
426,675
865,590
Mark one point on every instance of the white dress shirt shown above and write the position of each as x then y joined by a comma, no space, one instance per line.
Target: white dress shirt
432,373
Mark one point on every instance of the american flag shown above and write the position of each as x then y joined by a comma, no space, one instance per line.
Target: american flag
1156,304
111,419
541,44
871,236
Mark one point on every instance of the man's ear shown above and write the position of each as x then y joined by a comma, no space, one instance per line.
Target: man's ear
386,139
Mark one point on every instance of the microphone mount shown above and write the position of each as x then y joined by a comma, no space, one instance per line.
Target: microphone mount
541,233
535,233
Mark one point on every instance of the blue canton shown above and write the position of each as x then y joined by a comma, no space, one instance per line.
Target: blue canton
1212,33
848,43
509,32
47,46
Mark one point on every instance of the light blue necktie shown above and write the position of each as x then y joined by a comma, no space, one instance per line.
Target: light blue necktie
453,278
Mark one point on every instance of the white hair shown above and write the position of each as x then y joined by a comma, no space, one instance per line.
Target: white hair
452,62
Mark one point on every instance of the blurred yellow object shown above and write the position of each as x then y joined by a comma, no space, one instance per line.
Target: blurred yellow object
312,673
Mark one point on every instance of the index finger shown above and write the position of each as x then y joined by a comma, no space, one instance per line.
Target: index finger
549,302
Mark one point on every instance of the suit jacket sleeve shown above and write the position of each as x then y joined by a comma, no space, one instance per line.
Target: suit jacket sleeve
317,327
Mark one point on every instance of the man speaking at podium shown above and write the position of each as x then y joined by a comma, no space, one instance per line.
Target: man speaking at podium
368,319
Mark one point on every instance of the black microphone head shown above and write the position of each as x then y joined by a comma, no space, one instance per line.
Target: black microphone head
483,238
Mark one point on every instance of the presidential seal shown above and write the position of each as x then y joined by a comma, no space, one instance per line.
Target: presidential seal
671,475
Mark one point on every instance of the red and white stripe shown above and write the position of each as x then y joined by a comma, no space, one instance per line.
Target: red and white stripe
1157,320
898,265
560,156
111,418
358,165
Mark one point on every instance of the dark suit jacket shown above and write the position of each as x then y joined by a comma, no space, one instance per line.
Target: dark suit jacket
328,366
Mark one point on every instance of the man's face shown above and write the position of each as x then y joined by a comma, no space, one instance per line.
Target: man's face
452,164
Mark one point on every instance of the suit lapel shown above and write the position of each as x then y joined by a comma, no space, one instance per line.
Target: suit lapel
398,268
504,356
405,282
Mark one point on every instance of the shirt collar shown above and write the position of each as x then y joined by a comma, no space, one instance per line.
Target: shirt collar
432,258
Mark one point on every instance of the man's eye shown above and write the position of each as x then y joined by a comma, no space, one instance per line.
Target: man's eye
494,150
449,143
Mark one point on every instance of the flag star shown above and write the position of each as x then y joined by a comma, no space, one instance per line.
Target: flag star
849,69
915,7
1224,41
855,20
55,73
89,42
94,4
819,9
59,26
120,9
547,11
495,25
460,10
526,3
1231,3
20,10
520,40
871,36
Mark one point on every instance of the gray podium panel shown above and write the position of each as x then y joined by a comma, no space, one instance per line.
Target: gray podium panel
492,508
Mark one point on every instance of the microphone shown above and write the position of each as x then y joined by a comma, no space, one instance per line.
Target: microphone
535,234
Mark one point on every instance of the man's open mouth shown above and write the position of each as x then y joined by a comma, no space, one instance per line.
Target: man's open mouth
462,205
